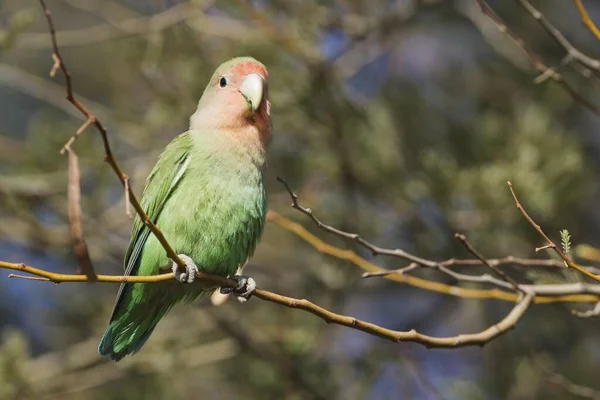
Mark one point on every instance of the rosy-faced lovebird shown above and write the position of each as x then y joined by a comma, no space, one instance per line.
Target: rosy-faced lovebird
206,194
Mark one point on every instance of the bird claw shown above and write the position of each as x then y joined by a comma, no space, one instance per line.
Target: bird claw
244,289
190,272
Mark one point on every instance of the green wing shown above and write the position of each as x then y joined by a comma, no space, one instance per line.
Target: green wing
161,182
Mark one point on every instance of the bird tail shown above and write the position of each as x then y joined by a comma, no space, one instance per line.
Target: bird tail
128,332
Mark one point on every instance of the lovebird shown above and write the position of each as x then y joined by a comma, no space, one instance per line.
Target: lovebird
207,195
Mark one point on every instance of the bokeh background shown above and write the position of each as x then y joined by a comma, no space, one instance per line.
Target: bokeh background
399,119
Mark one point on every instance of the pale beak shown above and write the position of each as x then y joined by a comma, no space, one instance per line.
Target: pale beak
252,89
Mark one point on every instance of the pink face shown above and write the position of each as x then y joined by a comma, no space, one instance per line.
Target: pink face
241,103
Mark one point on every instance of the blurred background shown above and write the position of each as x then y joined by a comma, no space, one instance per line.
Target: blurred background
399,119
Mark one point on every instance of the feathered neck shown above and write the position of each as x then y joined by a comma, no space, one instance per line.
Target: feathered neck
240,148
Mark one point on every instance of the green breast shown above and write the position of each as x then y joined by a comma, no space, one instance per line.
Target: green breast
223,221
215,215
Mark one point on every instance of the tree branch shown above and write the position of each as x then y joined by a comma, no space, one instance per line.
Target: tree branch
355,237
544,294
462,340
536,62
550,243
399,253
479,339
498,271
560,39
108,155
586,20
74,210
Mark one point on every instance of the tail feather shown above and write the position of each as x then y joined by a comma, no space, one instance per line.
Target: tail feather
127,333
134,321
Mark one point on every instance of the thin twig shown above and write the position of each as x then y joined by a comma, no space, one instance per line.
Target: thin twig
375,250
551,71
579,292
544,247
28,278
400,271
463,240
78,132
535,61
559,38
108,155
549,242
127,202
74,210
483,278
586,20
55,66
402,254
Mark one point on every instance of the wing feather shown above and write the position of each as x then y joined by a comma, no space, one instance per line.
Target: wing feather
160,184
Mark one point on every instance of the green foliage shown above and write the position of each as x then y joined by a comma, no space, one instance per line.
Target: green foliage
407,136
13,369
17,22
565,241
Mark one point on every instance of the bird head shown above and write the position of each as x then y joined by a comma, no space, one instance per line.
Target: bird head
236,97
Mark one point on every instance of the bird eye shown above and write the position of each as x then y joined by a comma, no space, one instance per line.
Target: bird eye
223,82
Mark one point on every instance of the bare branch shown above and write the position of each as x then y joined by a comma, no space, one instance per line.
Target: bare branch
108,155
479,339
586,20
559,38
127,200
28,278
536,62
550,243
399,253
375,250
552,293
401,271
55,67
483,278
74,199
544,247
79,131
498,271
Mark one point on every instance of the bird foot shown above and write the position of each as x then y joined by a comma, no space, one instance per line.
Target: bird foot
244,289
190,272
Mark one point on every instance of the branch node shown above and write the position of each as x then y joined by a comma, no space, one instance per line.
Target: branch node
127,197
90,120
57,62
545,247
